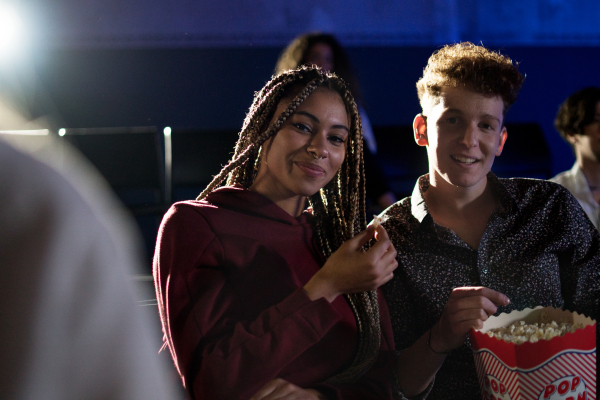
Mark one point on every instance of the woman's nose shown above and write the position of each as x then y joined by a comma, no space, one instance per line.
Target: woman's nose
318,146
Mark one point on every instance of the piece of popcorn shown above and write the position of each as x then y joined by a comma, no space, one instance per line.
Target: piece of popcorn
377,221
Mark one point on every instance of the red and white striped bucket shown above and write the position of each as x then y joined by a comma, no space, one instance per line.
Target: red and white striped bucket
561,368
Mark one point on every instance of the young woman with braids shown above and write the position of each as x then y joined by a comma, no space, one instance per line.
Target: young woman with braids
250,283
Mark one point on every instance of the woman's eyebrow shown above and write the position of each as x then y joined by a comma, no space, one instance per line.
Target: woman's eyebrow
309,115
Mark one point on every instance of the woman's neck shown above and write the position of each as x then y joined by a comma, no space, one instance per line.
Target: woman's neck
292,204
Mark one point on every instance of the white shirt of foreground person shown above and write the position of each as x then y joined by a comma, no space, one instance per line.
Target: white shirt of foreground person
70,325
575,182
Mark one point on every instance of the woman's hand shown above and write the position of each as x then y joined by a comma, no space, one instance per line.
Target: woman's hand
282,389
352,270
468,307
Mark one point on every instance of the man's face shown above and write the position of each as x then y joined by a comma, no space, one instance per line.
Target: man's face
464,133
587,145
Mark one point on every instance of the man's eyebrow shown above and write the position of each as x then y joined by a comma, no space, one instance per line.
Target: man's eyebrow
493,117
458,111
309,115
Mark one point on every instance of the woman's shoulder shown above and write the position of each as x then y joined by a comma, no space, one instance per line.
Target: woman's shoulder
216,201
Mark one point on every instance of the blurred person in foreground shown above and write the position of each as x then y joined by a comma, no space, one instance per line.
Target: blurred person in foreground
471,244
578,122
71,328
325,51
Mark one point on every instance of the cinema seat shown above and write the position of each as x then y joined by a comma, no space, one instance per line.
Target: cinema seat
132,162
194,157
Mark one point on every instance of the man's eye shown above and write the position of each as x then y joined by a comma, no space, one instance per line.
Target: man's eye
488,127
452,120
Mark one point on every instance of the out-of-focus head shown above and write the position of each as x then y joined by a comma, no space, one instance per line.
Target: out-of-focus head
320,55
322,50
466,65
577,111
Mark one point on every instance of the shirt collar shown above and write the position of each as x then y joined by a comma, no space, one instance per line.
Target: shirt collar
580,187
417,201
506,197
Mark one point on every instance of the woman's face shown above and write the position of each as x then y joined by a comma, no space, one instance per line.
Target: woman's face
321,55
307,151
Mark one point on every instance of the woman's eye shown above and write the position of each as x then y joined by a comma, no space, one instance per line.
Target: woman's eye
302,127
337,139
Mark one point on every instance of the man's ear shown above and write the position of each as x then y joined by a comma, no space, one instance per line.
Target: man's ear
420,130
573,139
503,136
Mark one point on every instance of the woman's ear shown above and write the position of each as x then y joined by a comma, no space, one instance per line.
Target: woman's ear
420,130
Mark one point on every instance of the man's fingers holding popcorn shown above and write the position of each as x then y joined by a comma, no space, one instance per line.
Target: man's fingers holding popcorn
495,297
468,307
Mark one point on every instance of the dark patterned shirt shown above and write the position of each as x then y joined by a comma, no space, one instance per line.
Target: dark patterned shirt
539,248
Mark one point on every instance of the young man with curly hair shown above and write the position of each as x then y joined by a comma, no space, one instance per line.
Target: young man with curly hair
578,122
470,244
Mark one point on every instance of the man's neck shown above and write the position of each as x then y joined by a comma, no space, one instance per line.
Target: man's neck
442,197
463,210
591,171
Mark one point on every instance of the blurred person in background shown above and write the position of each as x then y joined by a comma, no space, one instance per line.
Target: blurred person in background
325,51
578,122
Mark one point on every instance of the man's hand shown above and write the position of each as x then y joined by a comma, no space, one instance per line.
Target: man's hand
468,307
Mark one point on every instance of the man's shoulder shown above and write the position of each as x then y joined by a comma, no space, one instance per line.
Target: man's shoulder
398,211
521,188
562,177
399,221
534,195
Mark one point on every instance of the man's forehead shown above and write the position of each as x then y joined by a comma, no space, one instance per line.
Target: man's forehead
459,98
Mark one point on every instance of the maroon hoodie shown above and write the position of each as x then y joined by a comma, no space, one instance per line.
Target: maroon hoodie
229,274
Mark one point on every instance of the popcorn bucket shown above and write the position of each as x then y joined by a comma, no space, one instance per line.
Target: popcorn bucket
563,367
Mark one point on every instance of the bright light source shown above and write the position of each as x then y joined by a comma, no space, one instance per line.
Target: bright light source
167,131
62,131
11,31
